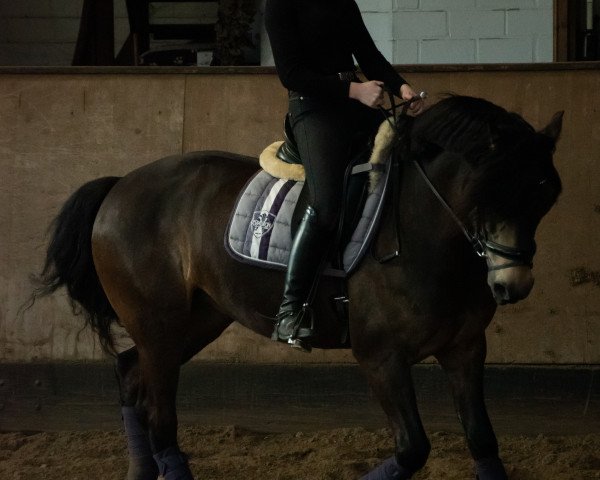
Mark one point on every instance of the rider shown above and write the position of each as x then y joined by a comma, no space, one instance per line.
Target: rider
313,44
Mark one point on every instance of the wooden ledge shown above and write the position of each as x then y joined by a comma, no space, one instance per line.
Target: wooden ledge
446,68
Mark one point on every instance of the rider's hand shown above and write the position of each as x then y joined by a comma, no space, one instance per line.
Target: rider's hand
408,93
369,93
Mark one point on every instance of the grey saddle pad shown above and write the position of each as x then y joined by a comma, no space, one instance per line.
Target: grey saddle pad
259,230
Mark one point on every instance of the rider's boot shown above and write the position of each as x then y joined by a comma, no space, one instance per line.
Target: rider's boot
295,324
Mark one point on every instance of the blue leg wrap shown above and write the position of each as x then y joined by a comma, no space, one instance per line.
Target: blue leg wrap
388,470
141,464
173,464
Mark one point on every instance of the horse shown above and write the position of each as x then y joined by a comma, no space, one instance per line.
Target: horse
146,251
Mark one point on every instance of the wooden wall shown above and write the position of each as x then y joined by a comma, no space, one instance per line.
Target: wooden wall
61,129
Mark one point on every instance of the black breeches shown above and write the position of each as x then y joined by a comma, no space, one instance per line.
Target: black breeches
325,134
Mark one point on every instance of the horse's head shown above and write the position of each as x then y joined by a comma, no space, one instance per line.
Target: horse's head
522,189
506,184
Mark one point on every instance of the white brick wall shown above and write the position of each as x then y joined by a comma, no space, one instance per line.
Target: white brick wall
456,31
473,31
44,32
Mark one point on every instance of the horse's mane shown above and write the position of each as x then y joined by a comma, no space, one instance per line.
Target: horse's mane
470,126
506,152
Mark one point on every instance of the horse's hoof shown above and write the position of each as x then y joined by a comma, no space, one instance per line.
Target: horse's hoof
490,469
173,464
388,470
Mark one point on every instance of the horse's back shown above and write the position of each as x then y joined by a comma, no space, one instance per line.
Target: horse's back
176,170
174,186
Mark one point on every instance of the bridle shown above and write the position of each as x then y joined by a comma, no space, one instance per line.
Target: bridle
518,257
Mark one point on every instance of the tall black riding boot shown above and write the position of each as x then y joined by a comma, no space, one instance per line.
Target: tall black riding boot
294,322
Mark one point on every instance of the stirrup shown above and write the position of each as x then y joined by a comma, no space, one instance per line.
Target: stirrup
300,344
293,333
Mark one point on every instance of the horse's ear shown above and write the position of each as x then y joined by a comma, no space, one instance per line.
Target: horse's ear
553,129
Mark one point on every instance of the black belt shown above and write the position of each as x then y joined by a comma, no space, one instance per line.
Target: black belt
348,76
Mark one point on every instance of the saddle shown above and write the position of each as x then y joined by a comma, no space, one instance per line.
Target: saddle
282,159
270,207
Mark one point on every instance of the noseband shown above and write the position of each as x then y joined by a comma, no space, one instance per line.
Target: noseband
518,257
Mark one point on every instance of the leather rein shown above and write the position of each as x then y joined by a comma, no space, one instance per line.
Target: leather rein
481,245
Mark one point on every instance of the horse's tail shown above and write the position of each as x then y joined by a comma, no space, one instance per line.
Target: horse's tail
69,260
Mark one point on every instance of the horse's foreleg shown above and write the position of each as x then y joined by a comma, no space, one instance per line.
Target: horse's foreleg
464,365
391,380
141,463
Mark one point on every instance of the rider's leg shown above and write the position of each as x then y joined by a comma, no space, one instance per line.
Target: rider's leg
323,135
308,252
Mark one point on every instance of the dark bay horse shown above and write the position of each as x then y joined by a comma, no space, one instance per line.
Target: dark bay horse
146,251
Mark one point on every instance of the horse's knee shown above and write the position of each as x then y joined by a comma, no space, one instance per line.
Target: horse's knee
127,372
413,456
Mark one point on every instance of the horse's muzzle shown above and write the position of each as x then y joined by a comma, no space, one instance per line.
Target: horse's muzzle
511,285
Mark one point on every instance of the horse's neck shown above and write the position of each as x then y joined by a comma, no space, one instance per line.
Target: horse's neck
429,234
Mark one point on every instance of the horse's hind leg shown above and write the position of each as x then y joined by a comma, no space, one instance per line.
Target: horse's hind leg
159,367
391,380
148,377
141,462
464,365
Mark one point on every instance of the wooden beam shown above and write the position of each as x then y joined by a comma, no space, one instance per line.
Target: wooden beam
95,41
561,30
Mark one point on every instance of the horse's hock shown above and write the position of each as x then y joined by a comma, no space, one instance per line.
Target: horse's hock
60,129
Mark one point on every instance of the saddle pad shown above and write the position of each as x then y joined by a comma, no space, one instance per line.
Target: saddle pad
259,230
260,227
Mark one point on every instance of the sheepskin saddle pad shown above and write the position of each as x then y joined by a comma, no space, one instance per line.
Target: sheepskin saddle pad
262,224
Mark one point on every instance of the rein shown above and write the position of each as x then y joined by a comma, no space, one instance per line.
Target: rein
481,245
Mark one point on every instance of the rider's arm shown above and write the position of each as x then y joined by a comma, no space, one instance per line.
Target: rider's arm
373,64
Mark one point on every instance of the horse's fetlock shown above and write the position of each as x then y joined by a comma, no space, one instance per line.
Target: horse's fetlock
142,468
414,457
490,468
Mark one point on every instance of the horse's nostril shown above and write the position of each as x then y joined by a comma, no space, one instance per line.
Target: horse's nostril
500,291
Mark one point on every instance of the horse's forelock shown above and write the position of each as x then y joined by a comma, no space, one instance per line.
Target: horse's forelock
506,182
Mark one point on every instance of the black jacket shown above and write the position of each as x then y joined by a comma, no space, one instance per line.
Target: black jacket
313,40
